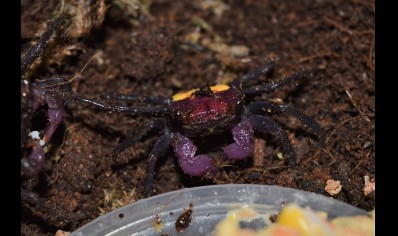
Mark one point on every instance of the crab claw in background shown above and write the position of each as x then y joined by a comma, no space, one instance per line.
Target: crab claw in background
45,92
55,101
32,165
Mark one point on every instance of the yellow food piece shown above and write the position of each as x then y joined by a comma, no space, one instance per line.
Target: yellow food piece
354,226
245,213
278,230
294,220
304,220
229,226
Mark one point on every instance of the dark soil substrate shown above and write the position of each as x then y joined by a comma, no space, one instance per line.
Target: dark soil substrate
167,46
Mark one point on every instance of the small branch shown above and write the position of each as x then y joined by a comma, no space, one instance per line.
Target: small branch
338,25
314,56
366,118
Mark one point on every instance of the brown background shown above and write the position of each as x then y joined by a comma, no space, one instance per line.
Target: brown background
168,46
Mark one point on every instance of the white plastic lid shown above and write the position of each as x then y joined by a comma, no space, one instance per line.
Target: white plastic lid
210,205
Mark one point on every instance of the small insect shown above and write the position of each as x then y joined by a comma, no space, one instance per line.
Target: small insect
184,219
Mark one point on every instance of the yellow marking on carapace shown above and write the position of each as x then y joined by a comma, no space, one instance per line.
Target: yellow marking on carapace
183,95
187,94
219,87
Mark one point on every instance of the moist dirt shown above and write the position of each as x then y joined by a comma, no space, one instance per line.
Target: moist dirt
162,47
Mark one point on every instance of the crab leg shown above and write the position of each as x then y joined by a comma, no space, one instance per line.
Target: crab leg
159,100
264,69
130,110
152,125
270,87
265,124
158,150
265,106
36,50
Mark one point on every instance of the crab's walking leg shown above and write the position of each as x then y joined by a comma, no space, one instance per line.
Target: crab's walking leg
264,69
243,146
267,125
270,87
264,107
158,150
130,110
159,100
151,126
185,150
161,145
36,50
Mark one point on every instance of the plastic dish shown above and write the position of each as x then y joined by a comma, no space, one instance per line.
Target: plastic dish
210,205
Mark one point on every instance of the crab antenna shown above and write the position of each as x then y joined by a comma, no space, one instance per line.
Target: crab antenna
77,75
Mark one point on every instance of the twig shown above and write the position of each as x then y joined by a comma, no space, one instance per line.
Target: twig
330,155
63,140
226,165
349,119
314,56
366,118
338,25
316,163
359,163
258,155
227,177
311,158
58,153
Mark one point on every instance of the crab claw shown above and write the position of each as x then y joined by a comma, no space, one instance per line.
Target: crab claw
196,166
55,103
52,92
185,150
243,146
33,164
